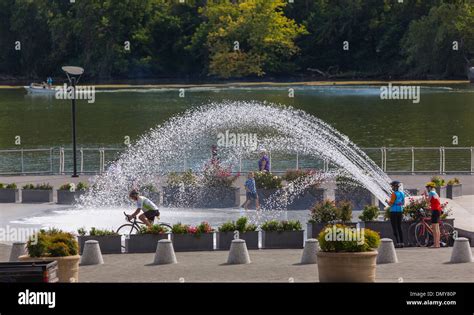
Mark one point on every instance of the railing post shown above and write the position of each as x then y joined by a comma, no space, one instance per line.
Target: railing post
297,161
103,160
22,167
412,160
82,160
240,163
440,160
51,160
472,160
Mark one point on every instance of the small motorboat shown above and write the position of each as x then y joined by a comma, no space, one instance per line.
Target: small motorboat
37,88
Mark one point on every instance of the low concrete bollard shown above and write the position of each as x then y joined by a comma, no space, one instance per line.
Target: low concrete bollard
91,254
461,251
386,252
311,246
18,249
164,254
238,253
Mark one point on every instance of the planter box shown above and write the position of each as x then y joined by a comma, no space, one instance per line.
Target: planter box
109,244
9,195
66,197
347,267
191,242
173,197
307,199
224,239
68,266
277,202
36,195
286,239
218,197
358,196
143,243
313,229
441,191
453,191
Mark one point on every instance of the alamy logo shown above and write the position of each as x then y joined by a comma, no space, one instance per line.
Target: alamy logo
82,93
37,298
402,92
346,233
243,140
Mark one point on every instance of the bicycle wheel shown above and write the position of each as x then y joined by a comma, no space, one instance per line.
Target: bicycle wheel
446,231
422,235
127,229
167,225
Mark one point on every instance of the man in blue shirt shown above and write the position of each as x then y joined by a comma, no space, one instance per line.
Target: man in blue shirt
251,191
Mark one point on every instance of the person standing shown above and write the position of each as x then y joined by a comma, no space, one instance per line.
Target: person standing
251,192
396,203
435,206
264,162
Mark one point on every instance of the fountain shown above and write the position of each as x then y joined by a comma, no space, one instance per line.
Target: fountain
284,129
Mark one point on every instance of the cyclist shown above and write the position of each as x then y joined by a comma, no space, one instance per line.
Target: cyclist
396,202
150,210
435,206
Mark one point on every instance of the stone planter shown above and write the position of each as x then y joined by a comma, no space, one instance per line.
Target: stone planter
358,196
453,191
191,242
285,239
308,198
143,243
313,228
68,266
277,202
174,197
36,195
218,197
109,244
347,267
441,191
224,239
9,195
66,197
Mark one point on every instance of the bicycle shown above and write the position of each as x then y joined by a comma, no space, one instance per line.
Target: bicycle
135,225
424,233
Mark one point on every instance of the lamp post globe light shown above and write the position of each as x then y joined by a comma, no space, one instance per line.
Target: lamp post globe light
73,75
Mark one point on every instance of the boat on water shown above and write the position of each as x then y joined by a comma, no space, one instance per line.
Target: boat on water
36,88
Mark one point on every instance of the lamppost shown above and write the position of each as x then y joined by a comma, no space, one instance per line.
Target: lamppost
73,75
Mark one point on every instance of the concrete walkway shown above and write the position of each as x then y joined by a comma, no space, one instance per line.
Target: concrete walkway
416,265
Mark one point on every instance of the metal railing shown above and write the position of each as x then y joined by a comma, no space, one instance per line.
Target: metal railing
408,160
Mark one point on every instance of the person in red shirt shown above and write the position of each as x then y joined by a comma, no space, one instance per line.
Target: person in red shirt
435,206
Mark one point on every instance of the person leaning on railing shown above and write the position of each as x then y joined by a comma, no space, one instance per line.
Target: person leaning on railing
396,203
435,207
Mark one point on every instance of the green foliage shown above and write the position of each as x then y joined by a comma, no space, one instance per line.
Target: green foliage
281,226
344,209
438,181
324,212
154,229
187,179
341,238
82,186
67,187
43,186
240,225
179,228
52,243
8,186
266,180
203,227
369,213
454,181
215,175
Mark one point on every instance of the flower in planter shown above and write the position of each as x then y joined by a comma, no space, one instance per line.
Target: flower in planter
8,186
324,212
438,181
341,238
52,243
266,180
281,226
186,179
369,213
95,232
202,228
241,225
215,175
454,181
43,186
154,229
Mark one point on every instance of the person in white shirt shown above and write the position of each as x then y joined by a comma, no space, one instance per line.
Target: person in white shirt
150,210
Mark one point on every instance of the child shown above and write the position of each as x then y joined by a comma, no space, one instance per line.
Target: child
251,191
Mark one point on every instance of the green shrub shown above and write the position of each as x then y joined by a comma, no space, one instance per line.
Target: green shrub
67,187
369,213
52,243
344,210
179,228
8,186
438,181
454,181
324,212
99,232
215,175
240,225
341,238
81,231
266,180
188,179
28,186
82,186
43,186
154,229
281,226
202,228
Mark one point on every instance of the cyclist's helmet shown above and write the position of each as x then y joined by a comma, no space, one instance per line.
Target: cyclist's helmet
395,183
133,193
430,185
